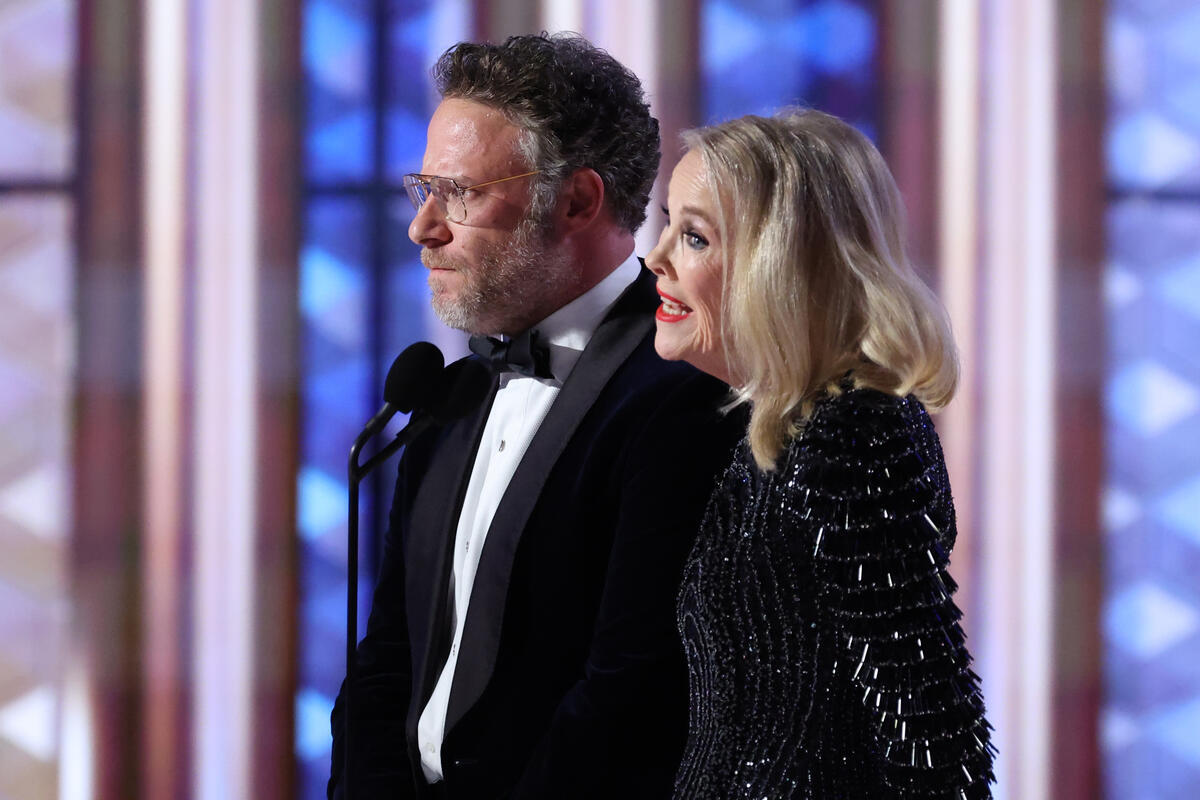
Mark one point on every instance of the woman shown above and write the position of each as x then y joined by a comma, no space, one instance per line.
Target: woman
824,648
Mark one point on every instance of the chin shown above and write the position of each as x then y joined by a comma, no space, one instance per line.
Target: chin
665,351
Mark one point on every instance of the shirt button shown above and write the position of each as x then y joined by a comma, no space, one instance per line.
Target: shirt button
501,445
430,749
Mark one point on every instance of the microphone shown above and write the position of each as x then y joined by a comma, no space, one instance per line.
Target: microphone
410,384
417,382
460,388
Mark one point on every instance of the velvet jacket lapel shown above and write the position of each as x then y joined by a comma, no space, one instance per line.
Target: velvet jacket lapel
612,343
428,551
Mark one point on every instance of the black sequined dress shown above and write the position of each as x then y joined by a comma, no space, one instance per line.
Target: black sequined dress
825,654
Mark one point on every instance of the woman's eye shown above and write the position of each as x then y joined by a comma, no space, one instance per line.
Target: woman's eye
694,240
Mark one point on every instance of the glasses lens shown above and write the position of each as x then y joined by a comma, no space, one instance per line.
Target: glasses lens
449,197
417,190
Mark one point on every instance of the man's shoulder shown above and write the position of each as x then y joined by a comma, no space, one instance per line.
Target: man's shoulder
644,374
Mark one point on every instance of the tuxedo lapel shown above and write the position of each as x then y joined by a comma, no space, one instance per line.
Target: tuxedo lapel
612,343
430,543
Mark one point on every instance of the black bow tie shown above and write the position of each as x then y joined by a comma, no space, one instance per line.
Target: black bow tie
527,354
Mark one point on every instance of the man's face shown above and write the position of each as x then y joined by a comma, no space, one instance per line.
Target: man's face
494,272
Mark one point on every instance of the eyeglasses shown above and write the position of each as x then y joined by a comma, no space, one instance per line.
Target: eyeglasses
450,196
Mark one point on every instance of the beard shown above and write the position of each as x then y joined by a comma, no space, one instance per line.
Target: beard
508,287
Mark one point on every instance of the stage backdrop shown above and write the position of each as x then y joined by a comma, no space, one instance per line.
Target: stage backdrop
204,274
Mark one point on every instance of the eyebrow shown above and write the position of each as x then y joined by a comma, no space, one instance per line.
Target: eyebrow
697,212
693,210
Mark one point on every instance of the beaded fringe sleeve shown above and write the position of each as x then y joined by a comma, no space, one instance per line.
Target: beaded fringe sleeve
825,653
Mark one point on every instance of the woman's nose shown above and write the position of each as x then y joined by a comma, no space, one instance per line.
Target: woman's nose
656,259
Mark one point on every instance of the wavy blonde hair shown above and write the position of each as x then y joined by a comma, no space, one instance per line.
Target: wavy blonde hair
819,283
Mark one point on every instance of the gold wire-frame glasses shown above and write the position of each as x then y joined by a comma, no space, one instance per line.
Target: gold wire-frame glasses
449,194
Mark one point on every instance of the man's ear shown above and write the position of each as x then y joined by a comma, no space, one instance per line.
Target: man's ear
581,200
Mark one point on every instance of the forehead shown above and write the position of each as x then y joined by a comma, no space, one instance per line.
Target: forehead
470,140
689,181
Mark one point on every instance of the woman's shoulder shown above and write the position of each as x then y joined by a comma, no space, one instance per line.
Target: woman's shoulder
873,475
858,442
861,426
867,449
856,411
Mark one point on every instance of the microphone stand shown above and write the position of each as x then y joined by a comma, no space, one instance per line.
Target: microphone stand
355,474
467,383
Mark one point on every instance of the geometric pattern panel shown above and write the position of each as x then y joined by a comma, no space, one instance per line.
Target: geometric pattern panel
1154,95
36,367
337,393
1151,730
1152,500
363,298
407,96
338,94
36,113
761,55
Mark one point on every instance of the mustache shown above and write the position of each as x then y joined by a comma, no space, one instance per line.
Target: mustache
436,259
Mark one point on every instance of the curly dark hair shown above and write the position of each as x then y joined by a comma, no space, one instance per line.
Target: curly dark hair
576,106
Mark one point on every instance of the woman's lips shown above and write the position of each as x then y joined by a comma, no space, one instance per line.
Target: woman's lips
671,310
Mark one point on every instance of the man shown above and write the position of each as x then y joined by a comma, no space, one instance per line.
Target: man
522,639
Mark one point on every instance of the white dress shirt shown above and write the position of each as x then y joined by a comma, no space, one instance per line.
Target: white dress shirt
520,406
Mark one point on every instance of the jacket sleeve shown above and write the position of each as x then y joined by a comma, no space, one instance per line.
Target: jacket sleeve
620,729
886,525
383,680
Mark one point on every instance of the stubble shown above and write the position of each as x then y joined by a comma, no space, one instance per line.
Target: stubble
509,288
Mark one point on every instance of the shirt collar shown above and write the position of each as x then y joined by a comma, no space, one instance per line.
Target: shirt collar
569,329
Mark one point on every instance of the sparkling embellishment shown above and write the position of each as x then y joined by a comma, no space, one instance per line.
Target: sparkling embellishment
832,559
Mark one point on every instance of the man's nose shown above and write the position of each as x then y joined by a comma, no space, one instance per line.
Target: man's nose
429,227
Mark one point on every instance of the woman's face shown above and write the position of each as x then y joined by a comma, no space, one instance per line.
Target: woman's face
688,261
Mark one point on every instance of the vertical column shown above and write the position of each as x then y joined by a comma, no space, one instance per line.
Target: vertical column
633,32
1016,359
1080,213
1010,131
275,594
102,699
496,20
563,15
165,692
929,136
958,260
225,434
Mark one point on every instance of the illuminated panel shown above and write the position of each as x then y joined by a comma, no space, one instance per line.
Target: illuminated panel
37,334
37,131
760,55
336,52
36,362
362,297
1152,497
334,297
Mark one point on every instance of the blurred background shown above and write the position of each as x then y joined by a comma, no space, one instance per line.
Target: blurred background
204,274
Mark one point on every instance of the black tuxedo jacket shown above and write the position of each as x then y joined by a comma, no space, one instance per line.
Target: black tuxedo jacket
571,680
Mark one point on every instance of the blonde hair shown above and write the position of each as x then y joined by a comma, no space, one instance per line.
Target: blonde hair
819,284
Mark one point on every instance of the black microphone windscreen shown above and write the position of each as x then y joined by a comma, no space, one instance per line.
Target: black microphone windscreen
464,385
413,380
